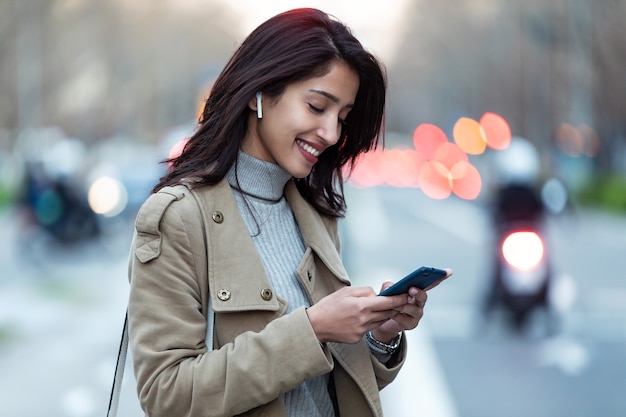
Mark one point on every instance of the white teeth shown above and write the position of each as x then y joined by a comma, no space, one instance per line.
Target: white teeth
309,148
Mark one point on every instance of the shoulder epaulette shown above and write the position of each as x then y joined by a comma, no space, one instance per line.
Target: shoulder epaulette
148,221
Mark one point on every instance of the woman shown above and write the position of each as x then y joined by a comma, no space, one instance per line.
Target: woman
246,220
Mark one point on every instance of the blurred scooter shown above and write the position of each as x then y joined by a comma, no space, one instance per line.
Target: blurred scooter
521,272
522,275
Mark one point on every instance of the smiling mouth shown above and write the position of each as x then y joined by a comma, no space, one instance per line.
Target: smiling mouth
308,148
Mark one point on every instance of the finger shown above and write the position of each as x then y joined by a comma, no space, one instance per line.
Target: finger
410,310
384,315
402,322
433,285
407,322
419,296
388,306
359,291
377,323
386,285
410,315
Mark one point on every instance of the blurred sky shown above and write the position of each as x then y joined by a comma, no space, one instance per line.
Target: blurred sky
378,26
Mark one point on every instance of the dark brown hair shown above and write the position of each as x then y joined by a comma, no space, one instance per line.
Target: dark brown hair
295,45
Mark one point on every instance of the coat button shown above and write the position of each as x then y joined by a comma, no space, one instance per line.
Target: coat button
218,217
266,294
223,295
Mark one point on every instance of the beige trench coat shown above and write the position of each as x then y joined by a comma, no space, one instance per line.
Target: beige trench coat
259,352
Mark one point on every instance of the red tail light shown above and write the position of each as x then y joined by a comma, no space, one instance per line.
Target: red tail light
523,250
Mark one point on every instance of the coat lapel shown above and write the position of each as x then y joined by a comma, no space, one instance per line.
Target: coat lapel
238,279
315,233
237,275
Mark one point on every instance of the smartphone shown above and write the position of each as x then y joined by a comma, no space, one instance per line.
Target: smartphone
421,278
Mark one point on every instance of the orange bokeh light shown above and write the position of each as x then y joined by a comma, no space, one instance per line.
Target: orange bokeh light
177,149
401,167
466,181
367,171
435,180
449,154
436,165
395,167
469,136
427,138
577,141
497,131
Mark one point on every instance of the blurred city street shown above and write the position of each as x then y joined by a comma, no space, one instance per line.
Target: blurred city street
61,314
461,365
95,93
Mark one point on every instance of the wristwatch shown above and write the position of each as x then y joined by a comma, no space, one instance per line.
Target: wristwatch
384,347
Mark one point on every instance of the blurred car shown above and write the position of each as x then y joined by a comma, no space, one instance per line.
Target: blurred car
74,193
122,176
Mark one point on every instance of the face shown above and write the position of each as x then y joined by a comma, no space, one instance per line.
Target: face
301,123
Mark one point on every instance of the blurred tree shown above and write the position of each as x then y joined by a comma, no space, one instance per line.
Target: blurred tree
99,68
608,54
8,110
538,64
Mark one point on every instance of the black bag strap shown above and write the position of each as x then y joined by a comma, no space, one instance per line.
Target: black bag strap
114,399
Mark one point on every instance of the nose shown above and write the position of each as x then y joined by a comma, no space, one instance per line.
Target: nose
329,130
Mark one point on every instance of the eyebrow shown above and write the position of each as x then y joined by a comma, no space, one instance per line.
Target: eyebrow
329,96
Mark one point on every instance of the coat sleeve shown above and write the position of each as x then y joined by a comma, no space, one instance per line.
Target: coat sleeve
385,372
176,375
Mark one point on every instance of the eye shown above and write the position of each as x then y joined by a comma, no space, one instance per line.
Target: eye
316,109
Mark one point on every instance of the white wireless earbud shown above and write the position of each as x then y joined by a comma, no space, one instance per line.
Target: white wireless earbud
259,106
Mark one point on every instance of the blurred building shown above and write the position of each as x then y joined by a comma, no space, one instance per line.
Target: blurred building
101,68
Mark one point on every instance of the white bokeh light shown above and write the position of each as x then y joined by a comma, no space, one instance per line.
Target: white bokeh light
107,196
523,250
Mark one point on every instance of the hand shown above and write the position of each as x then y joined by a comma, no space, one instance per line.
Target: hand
347,314
408,316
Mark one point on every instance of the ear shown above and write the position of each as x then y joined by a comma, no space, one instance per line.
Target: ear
252,103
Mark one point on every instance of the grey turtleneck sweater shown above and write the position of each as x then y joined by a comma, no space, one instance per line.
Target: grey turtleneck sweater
258,188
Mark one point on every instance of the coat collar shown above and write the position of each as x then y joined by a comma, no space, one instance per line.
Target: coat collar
234,264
